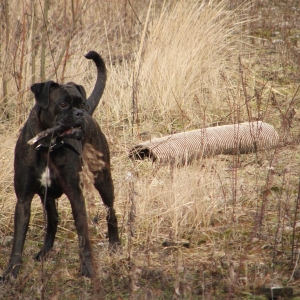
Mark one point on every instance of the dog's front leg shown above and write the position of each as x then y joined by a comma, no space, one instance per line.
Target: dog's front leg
80,218
21,222
52,221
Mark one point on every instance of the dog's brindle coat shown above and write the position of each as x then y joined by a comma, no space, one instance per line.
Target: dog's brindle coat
56,171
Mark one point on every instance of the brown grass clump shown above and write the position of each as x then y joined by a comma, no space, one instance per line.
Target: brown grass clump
221,228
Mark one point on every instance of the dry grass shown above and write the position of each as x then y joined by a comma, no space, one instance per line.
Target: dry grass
231,222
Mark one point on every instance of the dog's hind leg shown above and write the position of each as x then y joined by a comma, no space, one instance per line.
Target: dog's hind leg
52,221
104,184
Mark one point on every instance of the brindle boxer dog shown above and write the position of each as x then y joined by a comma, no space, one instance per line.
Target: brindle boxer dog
51,164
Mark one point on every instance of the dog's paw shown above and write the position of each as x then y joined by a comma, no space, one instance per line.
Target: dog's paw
10,273
8,277
41,255
4,278
87,271
38,256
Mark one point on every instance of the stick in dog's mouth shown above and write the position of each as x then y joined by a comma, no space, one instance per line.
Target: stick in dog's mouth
58,130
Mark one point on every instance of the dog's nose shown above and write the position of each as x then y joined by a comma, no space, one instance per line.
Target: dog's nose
79,113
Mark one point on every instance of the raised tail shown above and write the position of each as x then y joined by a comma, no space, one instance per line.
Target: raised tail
97,92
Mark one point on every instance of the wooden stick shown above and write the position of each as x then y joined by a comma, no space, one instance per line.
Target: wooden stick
45,133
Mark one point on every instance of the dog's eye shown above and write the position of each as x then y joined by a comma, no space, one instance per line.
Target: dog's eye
63,104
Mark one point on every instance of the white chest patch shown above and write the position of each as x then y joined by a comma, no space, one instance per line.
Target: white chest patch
45,178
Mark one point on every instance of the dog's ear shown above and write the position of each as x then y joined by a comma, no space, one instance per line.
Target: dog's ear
81,90
42,91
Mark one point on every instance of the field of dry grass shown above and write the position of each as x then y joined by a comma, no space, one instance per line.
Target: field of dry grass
222,228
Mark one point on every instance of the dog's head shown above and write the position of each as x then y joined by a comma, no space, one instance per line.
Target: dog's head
62,104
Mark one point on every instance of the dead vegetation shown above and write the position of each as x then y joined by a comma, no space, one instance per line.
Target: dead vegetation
222,228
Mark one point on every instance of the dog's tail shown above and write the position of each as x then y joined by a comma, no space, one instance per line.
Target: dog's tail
95,97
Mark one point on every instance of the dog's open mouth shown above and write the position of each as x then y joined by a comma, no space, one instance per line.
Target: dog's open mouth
70,130
73,133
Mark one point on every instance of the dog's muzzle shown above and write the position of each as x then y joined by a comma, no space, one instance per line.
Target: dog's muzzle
72,124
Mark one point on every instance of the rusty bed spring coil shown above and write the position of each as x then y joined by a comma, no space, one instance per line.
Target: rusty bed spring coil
187,146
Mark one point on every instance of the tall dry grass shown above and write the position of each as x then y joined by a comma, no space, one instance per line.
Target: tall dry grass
172,66
177,79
